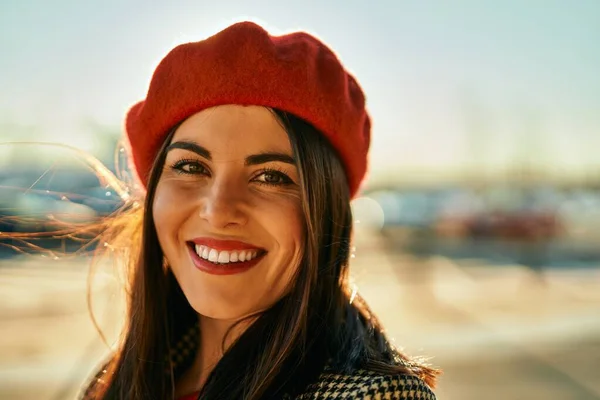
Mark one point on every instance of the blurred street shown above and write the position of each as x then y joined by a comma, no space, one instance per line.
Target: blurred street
498,332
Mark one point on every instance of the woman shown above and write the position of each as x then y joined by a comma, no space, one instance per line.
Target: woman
250,148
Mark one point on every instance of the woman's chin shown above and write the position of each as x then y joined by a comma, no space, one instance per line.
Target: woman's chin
220,312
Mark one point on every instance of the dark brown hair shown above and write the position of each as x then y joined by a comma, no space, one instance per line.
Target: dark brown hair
314,326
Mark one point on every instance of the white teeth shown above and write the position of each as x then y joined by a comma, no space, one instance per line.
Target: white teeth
213,256
223,257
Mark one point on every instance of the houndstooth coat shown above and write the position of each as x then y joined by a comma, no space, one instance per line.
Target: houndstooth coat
330,385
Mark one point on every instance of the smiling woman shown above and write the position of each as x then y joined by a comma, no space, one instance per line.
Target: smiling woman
231,171
249,148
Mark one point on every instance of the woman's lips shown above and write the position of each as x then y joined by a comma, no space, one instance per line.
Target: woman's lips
230,268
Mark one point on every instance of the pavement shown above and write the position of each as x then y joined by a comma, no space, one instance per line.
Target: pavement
497,332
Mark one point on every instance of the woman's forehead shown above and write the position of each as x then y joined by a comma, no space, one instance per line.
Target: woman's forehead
231,128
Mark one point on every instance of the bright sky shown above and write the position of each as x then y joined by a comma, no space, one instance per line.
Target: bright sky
448,83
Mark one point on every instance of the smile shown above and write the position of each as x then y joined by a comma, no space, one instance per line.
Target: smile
225,256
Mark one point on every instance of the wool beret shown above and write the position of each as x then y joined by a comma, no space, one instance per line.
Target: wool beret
245,65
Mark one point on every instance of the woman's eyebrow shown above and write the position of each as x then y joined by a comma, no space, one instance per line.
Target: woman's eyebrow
191,146
254,159
262,158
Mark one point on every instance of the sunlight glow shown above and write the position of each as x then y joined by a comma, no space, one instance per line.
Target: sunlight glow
368,212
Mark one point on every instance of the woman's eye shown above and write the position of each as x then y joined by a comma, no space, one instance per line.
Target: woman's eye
274,178
189,167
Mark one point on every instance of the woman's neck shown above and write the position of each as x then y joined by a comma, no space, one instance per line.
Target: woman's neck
213,341
216,336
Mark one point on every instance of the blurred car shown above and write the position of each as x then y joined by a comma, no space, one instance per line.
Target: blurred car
580,213
508,213
416,209
38,208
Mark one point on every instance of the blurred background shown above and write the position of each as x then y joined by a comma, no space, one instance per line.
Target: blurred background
477,233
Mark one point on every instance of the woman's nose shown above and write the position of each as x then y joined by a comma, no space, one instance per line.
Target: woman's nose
221,206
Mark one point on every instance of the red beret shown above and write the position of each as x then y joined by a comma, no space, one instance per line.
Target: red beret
245,65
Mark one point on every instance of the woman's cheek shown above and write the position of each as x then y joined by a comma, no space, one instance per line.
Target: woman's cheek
171,201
